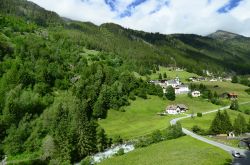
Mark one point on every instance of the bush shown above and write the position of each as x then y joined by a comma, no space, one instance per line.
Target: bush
247,111
120,152
143,142
196,129
86,161
199,114
248,91
234,105
215,101
122,109
156,136
174,131
132,96
117,140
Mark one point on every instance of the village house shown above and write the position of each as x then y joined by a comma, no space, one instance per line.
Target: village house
213,80
232,96
182,89
196,94
175,83
176,109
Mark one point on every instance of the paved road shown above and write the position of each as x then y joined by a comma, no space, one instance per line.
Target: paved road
220,145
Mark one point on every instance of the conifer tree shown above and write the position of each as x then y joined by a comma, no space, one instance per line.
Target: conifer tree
226,123
216,125
240,125
164,75
160,76
170,93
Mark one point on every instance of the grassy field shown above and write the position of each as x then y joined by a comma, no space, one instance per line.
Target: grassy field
229,87
141,116
171,74
245,107
184,150
224,140
205,121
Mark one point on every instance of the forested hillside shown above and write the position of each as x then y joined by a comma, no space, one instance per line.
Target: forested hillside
58,77
54,87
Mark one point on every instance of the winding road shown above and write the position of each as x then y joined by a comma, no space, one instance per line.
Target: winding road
214,143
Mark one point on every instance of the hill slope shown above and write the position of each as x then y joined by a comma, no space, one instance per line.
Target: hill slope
141,50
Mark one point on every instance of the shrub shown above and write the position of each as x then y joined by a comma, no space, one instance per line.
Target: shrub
143,142
86,161
196,129
117,140
247,111
120,152
174,131
122,109
156,136
199,114
132,96
248,91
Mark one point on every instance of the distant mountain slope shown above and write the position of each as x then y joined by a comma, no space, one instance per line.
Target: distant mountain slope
224,35
219,52
30,11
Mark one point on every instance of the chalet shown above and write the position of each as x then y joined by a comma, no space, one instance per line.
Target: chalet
176,109
182,89
232,96
201,79
196,94
174,82
213,80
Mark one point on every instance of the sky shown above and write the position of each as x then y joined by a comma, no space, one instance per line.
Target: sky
164,16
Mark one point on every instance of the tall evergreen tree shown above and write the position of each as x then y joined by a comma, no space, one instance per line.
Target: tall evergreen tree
160,76
226,123
216,125
164,75
102,140
170,93
240,125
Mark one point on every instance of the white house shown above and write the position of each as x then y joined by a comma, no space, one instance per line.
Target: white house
176,109
182,89
174,82
196,94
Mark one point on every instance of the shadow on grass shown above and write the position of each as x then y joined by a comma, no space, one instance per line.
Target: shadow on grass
242,161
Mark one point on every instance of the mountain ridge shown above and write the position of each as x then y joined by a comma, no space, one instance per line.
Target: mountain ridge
218,52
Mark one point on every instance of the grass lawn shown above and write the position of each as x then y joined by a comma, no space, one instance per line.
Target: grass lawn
245,107
195,104
171,74
229,87
182,151
224,140
141,116
205,121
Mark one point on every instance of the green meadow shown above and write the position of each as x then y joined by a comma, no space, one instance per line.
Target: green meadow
181,151
171,74
205,121
222,87
141,117
245,107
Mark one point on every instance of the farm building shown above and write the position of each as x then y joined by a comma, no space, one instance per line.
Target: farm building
176,109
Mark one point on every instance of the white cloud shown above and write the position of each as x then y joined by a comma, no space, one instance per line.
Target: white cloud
179,16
